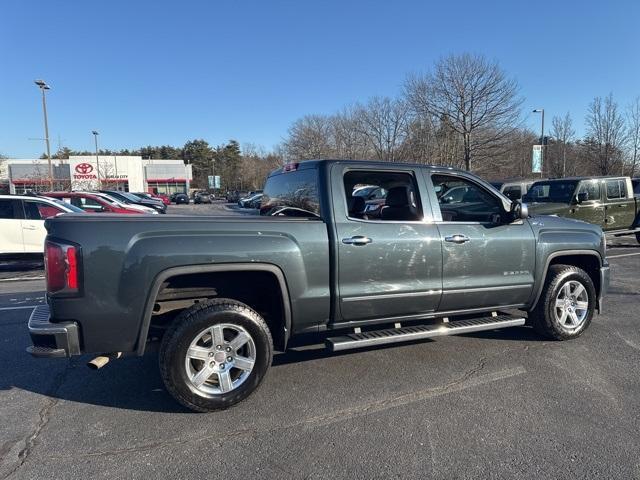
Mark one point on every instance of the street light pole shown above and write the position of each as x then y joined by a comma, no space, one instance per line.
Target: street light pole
541,110
95,138
43,86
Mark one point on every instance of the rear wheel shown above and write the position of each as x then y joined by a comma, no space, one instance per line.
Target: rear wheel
215,355
566,305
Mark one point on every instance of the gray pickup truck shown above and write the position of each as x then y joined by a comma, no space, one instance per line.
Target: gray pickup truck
224,293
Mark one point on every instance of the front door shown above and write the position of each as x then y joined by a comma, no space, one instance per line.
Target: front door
591,210
389,259
487,261
33,231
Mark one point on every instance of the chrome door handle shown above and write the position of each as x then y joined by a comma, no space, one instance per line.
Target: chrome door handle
29,227
457,238
357,240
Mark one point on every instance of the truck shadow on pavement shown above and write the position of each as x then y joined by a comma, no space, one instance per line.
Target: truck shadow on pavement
134,383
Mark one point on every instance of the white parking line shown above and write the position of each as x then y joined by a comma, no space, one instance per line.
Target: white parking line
20,308
623,255
17,279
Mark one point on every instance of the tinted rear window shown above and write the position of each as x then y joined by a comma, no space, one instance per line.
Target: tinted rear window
292,194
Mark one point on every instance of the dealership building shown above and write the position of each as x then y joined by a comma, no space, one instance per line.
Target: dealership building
115,172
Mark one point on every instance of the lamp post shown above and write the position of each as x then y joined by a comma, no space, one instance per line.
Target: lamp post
541,110
42,85
95,138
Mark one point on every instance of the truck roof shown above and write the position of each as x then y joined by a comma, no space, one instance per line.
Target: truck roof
307,164
578,178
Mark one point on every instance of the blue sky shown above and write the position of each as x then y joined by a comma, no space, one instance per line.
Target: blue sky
153,72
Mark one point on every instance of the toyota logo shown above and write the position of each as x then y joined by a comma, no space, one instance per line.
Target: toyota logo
84,168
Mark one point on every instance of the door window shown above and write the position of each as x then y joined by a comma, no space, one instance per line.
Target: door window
90,204
9,209
592,189
391,196
616,189
40,210
475,204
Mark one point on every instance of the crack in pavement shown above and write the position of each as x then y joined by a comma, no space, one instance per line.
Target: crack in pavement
44,415
468,379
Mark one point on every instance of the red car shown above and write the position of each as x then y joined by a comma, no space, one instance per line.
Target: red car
90,203
163,197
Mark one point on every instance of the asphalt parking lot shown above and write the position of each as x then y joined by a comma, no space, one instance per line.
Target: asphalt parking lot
501,404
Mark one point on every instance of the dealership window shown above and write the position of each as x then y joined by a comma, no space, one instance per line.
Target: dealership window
167,187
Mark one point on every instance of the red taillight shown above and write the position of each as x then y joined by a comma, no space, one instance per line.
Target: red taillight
61,265
72,270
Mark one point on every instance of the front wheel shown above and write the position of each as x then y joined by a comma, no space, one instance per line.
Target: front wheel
215,355
566,305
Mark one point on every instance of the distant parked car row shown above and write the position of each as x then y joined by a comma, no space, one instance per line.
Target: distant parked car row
22,216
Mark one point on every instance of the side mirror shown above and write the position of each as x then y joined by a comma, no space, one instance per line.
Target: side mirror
520,210
583,197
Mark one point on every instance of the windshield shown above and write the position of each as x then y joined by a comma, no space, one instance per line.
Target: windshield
556,192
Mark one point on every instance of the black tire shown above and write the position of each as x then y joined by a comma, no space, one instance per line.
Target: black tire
543,317
186,328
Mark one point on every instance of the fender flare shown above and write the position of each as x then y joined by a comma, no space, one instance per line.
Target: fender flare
218,268
553,255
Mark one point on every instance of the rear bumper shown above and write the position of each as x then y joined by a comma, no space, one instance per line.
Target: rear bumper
604,285
52,340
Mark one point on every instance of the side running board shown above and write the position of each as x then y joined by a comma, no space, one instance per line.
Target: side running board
419,332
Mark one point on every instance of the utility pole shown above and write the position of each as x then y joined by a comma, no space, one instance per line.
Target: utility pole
43,87
95,138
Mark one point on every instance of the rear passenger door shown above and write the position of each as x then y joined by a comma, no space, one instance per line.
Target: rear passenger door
389,266
619,209
11,226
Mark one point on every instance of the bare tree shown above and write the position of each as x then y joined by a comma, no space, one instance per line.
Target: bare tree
562,131
382,121
475,97
633,118
310,137
606,129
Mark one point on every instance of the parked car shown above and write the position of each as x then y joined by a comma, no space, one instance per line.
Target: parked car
422,270
608,202
160,197
112,201
252,201
180,198
92,203
235,196
514,189
202,197
22,222
130,198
